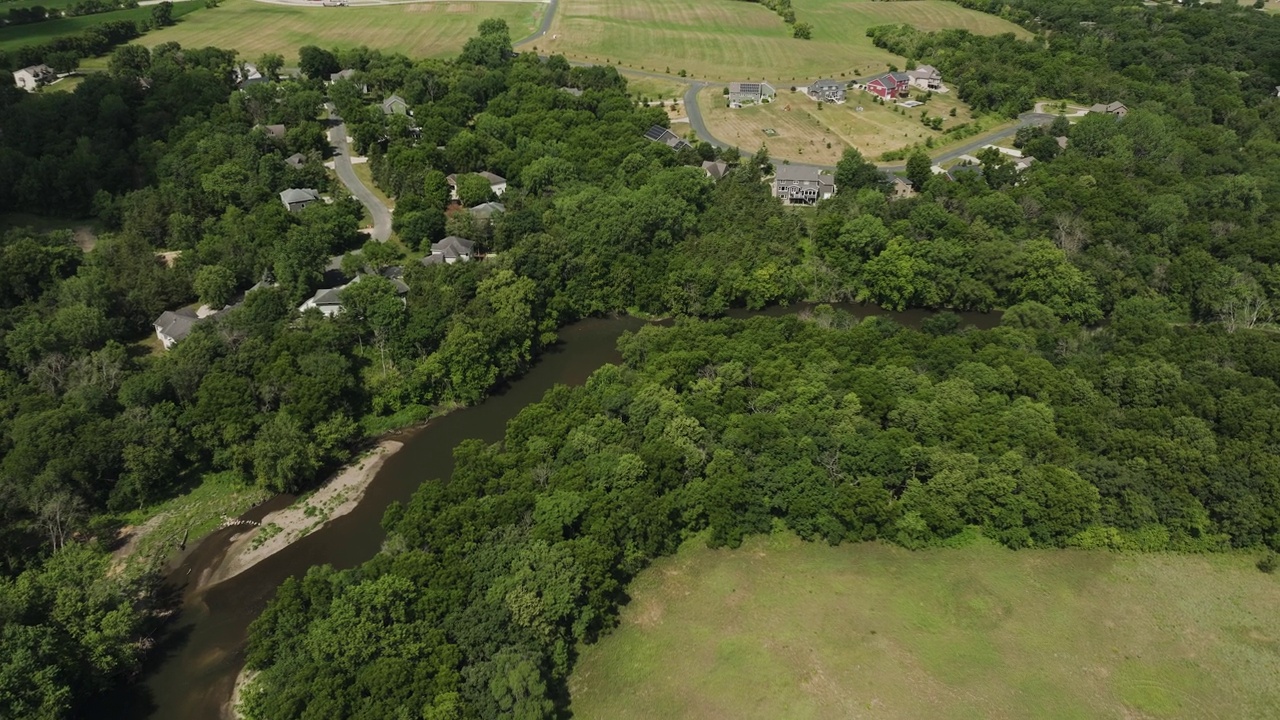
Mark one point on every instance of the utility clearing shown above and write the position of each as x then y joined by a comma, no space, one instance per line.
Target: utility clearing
783,628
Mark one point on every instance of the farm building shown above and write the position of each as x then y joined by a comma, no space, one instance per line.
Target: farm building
890,85
657,133
832,91
743,93
802,185
32,78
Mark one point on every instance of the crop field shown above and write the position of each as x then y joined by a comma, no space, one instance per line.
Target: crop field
22,35
434,29
781,628
805,133
732,40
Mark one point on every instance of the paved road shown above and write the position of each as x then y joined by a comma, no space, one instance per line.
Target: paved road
342,166
547,17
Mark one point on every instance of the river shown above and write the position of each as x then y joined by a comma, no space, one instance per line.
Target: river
195,667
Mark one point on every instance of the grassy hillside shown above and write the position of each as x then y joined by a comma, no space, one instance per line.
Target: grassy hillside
781,628
733,40
22,35
418,30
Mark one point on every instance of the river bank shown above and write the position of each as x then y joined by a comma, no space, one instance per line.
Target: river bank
336,497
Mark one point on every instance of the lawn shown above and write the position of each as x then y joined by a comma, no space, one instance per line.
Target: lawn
18,36
781,628
654,89
418,30
808,134
731,40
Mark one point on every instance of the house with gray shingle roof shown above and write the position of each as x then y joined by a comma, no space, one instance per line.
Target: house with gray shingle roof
802,184
174,325
295,199
296,161
450,250
832,91
484,211
715,169
396,105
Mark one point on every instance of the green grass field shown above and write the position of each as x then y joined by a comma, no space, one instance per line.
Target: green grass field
420,30
784,629
731,40
22,35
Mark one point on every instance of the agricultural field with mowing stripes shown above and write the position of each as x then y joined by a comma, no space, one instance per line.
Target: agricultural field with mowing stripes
731,40
781,628
18,36
433,29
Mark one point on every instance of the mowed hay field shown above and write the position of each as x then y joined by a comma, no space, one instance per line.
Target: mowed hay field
733,40
433,29
804,131
784,629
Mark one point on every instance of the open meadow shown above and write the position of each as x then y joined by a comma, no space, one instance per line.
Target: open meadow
803,132
781,628
18,36
435,29
732,40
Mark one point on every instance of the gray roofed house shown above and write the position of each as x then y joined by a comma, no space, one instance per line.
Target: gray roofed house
926,77
497,183
327,300
1113,108
248,76
174,325
715,169
657,133
449,251
826,90
274,131
32,77
750,92
484,211
802,184
342,75
395,105
295,199
296,160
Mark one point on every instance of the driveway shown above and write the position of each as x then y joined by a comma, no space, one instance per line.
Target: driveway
342,166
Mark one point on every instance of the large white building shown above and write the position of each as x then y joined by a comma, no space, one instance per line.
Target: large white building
32,78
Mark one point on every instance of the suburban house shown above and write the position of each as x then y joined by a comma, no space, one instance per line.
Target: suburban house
246,75
1116,108
347,74
484,211
890,85
926,77
901,188
276,132
1023,163
296,161
329,300
32,78
741,93
395,105
449,251
802,185
295,199
497,184
657,133
715,169
832,91
174,325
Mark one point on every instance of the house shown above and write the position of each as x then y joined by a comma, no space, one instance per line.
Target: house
926,77
572,91
329,300
657,133
497,184
1023,163
295,199
750,92
395,105
890,85
901,188
484,211
449,251
246,74
174,325
1116,108
1278,91
715,169
276,132
831,91
802,185
32,78
1062,141
296,161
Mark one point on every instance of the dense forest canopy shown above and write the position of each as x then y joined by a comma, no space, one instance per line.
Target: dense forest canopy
1153,432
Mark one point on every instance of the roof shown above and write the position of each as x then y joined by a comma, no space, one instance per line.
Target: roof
892,79
657,133
750,87
296,160
452,247
275,131
826,83
342,75
388,105
299,195
432,259
176,324
328,296
492,178
803,173
924,71
715,168
40,69
572,91
484,210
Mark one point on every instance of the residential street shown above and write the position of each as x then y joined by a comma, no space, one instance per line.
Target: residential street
342,166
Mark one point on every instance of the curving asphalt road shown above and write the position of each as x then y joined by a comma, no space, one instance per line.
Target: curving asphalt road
342,166
547,17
